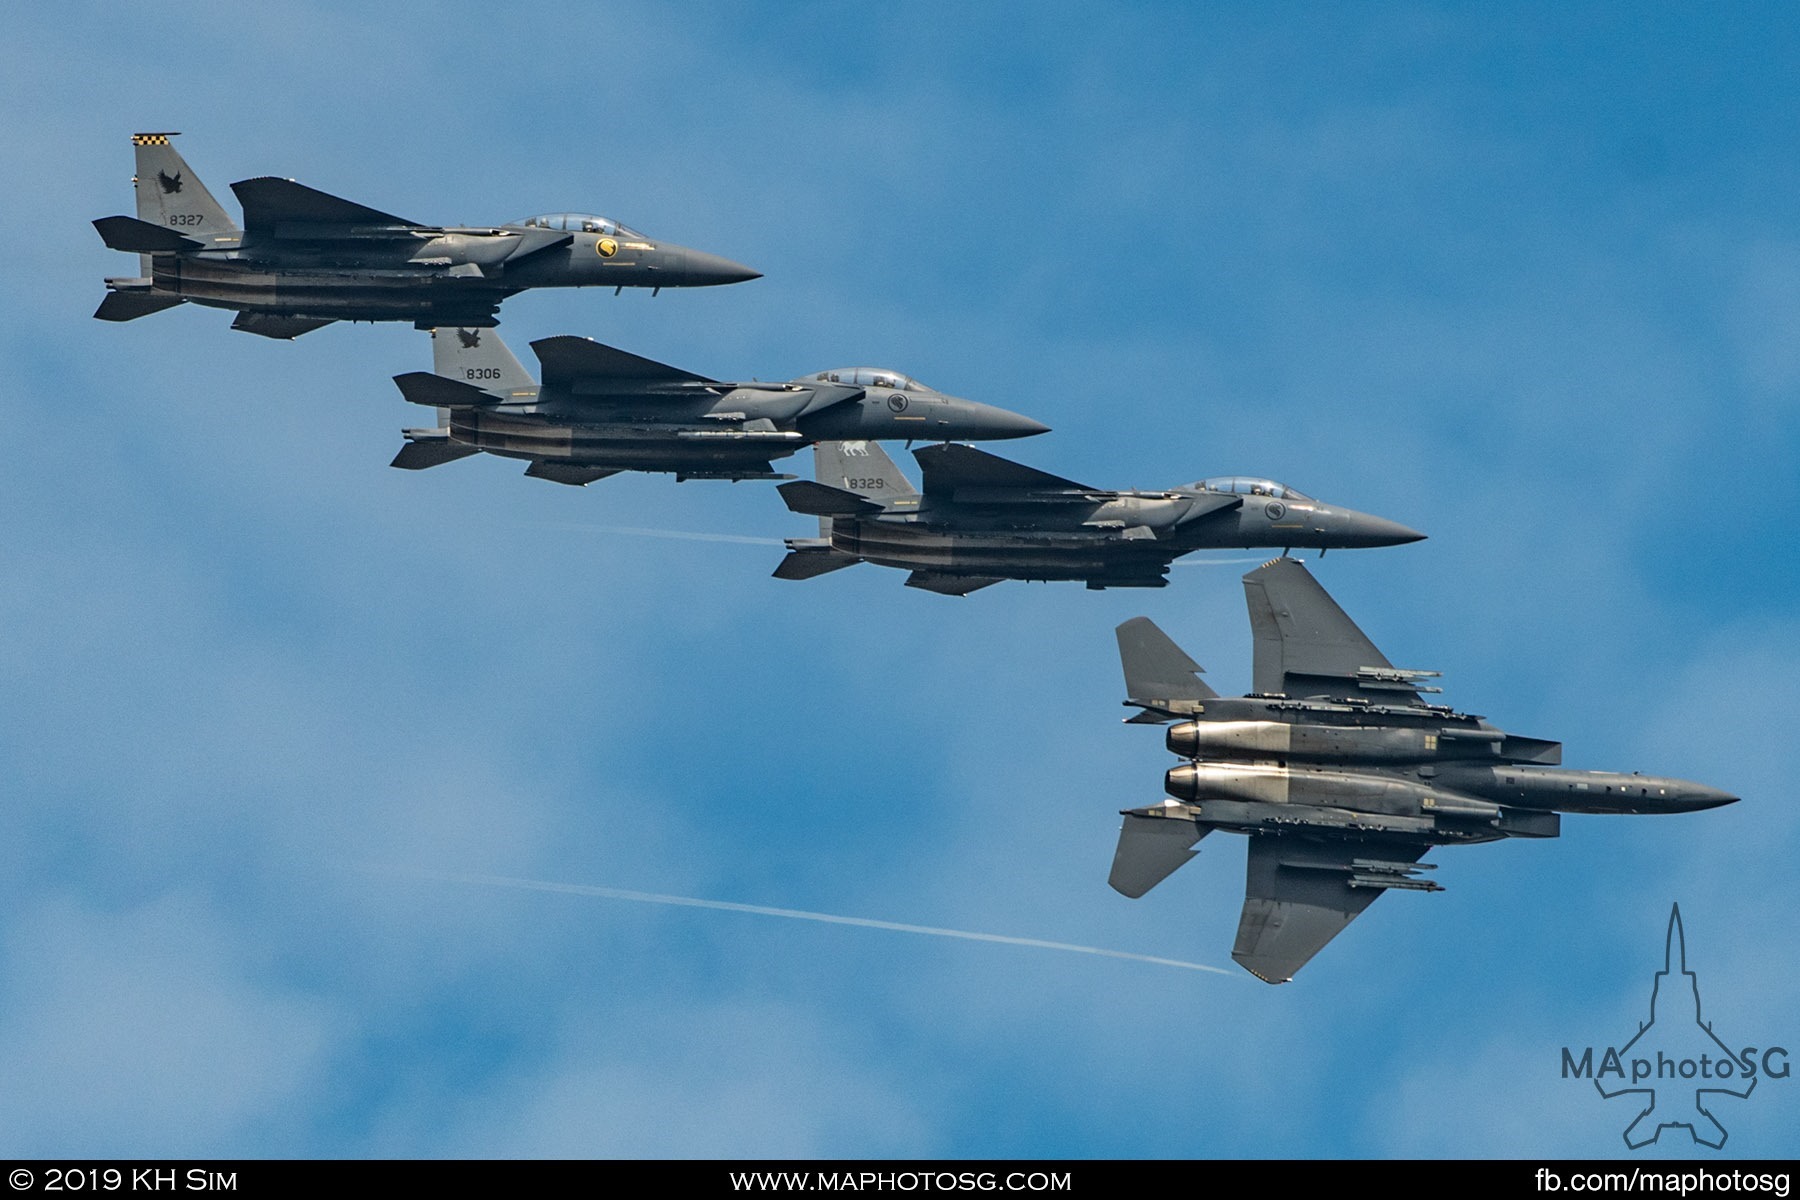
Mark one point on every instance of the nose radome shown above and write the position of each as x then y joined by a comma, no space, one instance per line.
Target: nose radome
986,421
1696,797
709,270
1361,529
1012,424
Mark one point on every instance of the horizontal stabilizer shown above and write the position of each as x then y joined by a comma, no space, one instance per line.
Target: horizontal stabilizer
570,360
1150,850
434,391
129,306
950,467
569,473
270,325
429,448
814,561
141,237
1156,669
270,203
949,585
813,499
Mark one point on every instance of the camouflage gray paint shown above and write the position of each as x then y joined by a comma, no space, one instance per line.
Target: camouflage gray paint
304,259
1340,773
600,411
981,519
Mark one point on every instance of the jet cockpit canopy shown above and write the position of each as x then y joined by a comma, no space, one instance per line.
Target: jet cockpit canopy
571,222
871,377
1249,485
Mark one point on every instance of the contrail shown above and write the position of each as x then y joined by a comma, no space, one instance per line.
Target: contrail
678,534
793,914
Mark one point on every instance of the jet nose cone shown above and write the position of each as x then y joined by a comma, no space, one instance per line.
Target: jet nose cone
1696,797
710,270
1361,529
974,422
1012,425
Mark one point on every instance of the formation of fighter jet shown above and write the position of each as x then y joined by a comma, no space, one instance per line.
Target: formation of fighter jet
304,259
600,411
981,519
1336,769
1340,773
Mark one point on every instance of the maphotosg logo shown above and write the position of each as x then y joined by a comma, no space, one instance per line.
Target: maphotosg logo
1675,1064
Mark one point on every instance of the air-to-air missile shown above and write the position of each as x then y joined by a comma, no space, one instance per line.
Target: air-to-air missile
304,258
1342,775
600,411
981,519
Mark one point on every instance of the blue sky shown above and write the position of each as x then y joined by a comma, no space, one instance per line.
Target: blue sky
1527,281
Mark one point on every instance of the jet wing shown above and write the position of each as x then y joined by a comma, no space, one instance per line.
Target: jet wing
1299,894
282,208
1307,647
568,361
964,473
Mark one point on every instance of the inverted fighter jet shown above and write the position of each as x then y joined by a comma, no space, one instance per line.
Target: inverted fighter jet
600,411
1340,773
304,259
982,519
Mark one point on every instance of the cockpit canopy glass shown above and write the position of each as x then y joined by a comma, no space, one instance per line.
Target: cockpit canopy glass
1248,485
578,223
872,377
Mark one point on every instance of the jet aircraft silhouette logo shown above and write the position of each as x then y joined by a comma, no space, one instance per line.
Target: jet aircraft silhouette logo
1691,1062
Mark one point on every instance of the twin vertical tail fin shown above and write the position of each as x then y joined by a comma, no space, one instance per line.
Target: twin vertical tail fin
170,195
469,368
478,357
850,479
175,212
1160,678
863,469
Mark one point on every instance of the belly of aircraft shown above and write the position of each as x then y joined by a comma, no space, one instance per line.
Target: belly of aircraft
333,294
621,447
1059,555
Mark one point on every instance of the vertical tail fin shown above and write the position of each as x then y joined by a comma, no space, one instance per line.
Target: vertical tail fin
863,468
1157,671
479,357
169,194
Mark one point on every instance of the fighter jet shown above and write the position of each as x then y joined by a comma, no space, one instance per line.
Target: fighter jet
1341,775
982,519
600,411
304,259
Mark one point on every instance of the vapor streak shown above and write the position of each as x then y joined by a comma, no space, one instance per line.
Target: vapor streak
795,914
677,534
